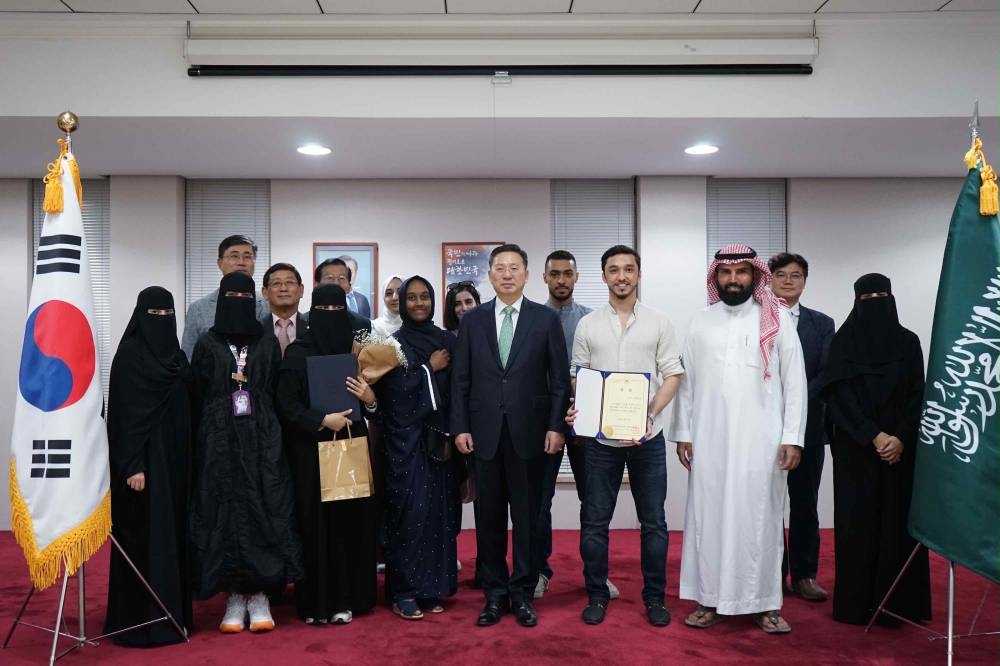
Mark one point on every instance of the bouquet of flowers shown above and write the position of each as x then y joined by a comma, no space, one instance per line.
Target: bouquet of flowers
377,355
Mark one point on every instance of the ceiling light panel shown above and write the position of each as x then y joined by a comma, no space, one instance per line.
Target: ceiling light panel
508,6
32,6
256,6
382,6
634,6
131,6
881,6
758,6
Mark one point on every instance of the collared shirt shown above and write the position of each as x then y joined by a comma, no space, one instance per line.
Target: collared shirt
291,326
647,344
352,301
498,313
201,317
570,316
795,312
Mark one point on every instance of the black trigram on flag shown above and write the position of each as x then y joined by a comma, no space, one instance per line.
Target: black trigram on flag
50,459
58,253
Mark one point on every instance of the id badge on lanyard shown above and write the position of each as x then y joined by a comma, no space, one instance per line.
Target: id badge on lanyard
242,405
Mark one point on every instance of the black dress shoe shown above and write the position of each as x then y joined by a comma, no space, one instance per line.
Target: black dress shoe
657,614
491,613
525,614
594,612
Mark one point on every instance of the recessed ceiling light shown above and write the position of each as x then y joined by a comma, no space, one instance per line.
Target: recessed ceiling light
701,149
313,149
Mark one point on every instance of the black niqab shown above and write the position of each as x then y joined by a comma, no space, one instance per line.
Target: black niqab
330,331
236,316
146,369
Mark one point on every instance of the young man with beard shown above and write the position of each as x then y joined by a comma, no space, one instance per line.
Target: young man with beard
739,427
627,336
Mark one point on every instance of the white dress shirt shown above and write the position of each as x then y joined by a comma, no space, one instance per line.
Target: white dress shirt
290,329
498,313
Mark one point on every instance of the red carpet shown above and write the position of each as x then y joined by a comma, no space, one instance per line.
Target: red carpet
561,637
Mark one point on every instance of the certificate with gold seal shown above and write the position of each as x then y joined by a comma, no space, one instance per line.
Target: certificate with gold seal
611,405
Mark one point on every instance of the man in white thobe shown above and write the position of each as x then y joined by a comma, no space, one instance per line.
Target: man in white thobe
739,428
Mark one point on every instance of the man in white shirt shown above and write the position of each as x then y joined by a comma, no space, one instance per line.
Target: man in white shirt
627,336
739,426
283,290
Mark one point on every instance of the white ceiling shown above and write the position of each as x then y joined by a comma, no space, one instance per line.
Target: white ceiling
513,148
492,6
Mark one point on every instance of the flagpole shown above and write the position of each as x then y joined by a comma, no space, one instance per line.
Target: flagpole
951,602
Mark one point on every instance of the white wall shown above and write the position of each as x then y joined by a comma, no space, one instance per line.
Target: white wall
147,244
15,239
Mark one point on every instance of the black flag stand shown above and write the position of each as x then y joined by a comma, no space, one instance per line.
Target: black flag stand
81,639
934,635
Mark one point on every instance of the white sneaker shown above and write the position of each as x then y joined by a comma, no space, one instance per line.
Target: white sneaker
260,613
541,586
612,590
380,568
236,611
343,617
458,565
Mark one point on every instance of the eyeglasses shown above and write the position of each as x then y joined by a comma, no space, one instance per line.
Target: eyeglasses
782,275
287,284
237,256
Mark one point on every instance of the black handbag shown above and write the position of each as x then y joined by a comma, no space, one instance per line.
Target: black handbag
439,445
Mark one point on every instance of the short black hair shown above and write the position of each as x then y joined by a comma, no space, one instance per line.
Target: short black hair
280,266
560,255
454,289
782,259
620,249
236,239
318,273
509,247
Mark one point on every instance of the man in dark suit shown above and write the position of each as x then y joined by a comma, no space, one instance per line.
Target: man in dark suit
356,301
336,271
815,333
282,289
510,391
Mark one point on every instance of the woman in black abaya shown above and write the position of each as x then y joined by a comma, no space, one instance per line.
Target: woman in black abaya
149,439
423,511
338,537
242,519
874,384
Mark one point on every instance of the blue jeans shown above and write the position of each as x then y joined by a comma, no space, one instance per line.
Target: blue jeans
544,542
647,473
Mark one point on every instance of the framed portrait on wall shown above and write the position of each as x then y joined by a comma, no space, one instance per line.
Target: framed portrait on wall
468,262
362,260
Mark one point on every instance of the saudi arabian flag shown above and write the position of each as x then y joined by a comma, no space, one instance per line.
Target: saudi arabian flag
956,492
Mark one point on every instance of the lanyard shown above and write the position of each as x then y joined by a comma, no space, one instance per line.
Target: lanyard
241,362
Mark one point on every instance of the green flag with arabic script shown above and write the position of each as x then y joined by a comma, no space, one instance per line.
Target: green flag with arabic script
956,493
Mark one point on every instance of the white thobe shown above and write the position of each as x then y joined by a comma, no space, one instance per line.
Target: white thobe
737,421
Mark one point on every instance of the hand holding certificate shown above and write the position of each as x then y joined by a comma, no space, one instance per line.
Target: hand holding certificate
611,405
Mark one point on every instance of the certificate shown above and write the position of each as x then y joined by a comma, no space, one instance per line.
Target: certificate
611,405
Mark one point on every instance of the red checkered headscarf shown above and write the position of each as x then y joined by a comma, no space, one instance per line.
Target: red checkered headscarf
769,317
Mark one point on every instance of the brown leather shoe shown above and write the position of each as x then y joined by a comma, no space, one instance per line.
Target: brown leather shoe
809,590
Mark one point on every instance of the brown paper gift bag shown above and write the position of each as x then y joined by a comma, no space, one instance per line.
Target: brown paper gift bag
345,471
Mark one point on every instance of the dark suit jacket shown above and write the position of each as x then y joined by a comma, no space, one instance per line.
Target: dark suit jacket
364,306
301,324
815,333
532,391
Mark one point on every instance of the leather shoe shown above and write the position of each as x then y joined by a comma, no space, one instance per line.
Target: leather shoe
525,614
809,590
594,612
657,614
491,613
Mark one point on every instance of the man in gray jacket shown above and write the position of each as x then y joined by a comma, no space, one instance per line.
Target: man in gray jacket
236,253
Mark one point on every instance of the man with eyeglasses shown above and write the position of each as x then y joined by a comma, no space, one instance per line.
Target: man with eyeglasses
283,290
815,331
236,253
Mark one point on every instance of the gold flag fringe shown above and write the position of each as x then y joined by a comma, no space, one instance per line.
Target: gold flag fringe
72,548
988,197
53,181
